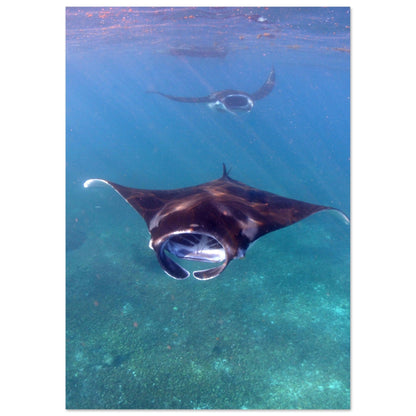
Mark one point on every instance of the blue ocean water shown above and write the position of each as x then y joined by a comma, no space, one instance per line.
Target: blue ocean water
273,330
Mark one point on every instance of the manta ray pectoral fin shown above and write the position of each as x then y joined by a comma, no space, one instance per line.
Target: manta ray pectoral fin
94,182
266,88
338,212
206,99
102,182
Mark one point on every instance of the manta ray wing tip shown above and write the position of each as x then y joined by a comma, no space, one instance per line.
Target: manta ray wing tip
341,215
347,221
90,182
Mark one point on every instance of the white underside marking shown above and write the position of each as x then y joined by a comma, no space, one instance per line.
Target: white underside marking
250,229
90,182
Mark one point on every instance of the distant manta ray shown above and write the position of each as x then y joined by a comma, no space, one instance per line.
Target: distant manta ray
213,222
229,100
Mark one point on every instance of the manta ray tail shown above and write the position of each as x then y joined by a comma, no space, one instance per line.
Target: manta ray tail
225,172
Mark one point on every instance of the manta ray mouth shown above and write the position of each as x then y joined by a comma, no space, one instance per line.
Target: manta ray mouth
192,246
237,102
195,246
240,103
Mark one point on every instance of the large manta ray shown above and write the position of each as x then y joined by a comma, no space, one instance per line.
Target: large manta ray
229,100
213,222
